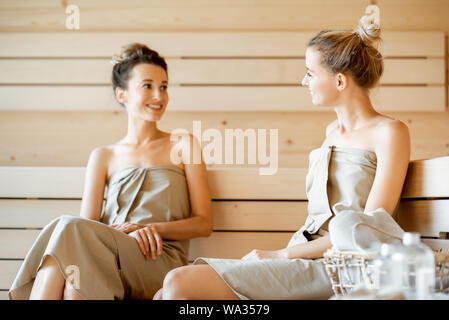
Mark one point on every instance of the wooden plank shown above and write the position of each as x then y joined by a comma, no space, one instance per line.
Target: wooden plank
230,15
43,182
410,71
201,44
228,215
436,243
418,98
259,215
9,271
4,295
22,239
401,44
28,213
168,44
428,217
206,71
286,184
234,245
81,98
427,178
68,183
227,183
204,98
219,244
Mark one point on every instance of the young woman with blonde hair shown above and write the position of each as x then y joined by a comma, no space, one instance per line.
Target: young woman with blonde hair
360,168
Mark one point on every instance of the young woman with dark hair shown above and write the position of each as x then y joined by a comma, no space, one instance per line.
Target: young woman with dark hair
153,206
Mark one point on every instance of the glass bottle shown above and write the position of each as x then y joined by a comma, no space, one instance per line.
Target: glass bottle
387,274
416,262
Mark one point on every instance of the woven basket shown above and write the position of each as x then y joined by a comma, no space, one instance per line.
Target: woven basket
442,271
348,270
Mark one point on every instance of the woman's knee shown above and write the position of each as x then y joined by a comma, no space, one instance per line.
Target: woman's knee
158,295
67,220
178,282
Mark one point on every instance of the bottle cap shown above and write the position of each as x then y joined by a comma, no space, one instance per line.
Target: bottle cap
411,238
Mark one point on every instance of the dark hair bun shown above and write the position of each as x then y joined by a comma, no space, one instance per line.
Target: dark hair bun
131,50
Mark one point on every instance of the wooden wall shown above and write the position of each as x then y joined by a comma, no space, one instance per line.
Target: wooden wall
64,138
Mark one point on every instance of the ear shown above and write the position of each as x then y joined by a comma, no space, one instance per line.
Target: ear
121,95
341,81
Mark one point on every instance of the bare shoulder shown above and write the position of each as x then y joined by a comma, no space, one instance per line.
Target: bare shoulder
391,128
392,136
102,152
187,147
100,157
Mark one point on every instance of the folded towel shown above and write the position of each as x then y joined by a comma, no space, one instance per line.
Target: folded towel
358,231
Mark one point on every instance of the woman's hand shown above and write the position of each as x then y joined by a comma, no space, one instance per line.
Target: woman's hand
127,227
148,240
266,254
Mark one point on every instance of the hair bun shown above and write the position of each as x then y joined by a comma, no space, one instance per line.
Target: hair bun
368,30
128,51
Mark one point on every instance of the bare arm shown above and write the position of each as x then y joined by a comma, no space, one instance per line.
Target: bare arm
393,156
310,250
94,184
199,224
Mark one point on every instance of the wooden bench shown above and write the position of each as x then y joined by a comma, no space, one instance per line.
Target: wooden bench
250,210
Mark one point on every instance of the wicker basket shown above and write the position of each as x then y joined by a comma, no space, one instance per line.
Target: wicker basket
442,271
348,270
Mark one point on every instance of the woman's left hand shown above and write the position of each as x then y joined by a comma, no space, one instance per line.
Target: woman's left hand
127,227
257,254
149,241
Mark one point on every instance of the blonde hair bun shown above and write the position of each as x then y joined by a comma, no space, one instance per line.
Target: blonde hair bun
368,30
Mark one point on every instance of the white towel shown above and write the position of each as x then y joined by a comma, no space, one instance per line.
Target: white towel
358,231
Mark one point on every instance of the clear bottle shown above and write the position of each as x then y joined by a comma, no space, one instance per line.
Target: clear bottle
387,275
417,264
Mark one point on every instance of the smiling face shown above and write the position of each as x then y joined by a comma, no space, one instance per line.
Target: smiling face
146,97
322,84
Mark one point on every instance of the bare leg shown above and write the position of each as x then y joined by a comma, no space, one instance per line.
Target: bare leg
208,284
70,293
49,283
